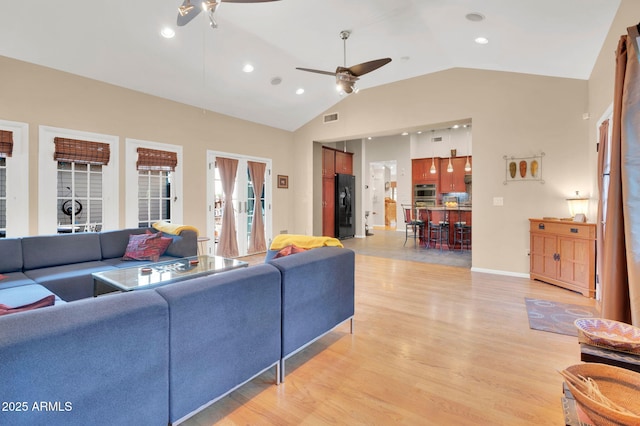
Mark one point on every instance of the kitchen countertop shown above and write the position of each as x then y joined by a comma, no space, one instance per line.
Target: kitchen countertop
461,208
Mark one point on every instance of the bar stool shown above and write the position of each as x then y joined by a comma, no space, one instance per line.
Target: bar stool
438,230
416,226
461,232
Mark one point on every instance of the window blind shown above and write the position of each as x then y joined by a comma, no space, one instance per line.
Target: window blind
79,151
6,143
154,159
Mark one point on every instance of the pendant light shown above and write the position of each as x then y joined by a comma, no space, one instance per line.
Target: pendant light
432,170
449,166
467,165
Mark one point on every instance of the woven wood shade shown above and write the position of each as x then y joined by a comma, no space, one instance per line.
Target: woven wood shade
6,143
154,159
78,151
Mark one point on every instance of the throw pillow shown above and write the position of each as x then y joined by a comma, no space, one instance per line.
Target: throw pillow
142,247
286,251
162,243
45,301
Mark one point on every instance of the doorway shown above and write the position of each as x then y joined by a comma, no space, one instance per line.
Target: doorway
383,194
247,202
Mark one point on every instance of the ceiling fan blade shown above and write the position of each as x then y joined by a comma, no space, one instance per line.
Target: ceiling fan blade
187,12
317,71
366,67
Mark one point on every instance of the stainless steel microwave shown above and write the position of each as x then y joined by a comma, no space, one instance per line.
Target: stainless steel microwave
425,190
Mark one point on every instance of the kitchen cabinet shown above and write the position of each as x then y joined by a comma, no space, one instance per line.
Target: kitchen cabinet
328,207
344,162
333,161
452,181
563,253
328,162
421,171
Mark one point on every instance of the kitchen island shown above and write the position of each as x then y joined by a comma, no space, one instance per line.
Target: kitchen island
451,214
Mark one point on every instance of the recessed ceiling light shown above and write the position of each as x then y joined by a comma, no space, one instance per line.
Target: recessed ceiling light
482,40
405,133
247,68
419,132
475,16
455,126
369,138
276,80
300,91
167,32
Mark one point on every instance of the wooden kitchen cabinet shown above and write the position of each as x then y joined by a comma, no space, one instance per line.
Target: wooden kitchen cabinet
452,181
344,162
333,161
421,171
328,162
563,253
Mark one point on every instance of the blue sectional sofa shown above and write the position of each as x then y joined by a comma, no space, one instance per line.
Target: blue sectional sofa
35,267
159,355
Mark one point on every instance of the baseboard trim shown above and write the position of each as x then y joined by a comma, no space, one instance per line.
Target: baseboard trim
499,272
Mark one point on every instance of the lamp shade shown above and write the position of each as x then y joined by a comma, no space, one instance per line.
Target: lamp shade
578,205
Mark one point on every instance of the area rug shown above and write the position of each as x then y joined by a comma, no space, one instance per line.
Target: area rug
555,317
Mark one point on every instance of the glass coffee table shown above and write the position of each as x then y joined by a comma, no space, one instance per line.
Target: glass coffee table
162,273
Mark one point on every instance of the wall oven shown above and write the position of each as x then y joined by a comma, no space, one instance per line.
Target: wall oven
425,190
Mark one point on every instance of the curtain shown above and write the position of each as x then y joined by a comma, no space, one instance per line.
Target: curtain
621,251
228,244
257,241
603,185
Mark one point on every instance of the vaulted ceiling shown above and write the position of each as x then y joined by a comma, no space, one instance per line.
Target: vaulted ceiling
119,42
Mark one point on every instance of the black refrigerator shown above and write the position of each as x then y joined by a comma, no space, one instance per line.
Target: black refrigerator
345,206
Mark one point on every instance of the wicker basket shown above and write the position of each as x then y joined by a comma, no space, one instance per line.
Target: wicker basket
620,386
609,334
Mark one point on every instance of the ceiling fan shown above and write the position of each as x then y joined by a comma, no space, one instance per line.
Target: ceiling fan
346,77
188,11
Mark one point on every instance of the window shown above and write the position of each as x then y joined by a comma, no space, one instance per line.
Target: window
154,197
156,168
78,181
14,179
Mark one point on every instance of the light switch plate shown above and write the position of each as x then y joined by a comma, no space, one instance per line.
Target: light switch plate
498,201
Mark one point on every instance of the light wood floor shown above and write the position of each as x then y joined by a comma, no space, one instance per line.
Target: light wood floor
433,345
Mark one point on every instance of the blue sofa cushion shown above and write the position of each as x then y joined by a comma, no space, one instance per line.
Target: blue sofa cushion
14,279
103,361
25,294
317,294
183,245
54,250
225,329
114,243
10,255
70,282
13,309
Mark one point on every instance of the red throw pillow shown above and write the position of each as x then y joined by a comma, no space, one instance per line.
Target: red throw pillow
142,247
162,243
45,301
286,251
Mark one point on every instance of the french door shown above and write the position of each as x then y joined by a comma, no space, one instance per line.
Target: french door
247,201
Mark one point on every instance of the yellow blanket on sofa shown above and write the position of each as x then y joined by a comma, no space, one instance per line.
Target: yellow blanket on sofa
173,228
303,241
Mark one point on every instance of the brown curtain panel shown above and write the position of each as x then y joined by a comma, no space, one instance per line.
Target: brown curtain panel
603,147
79,151
257,241
621,269
6,143
154,159
630,138
227,244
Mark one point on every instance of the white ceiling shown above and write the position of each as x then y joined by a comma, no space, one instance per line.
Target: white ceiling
119,42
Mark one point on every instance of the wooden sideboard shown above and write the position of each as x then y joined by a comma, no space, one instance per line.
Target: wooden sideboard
563,253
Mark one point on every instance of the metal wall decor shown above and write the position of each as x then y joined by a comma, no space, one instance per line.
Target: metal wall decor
523,169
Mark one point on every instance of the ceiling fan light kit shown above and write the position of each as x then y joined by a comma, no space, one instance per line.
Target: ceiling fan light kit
346,77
